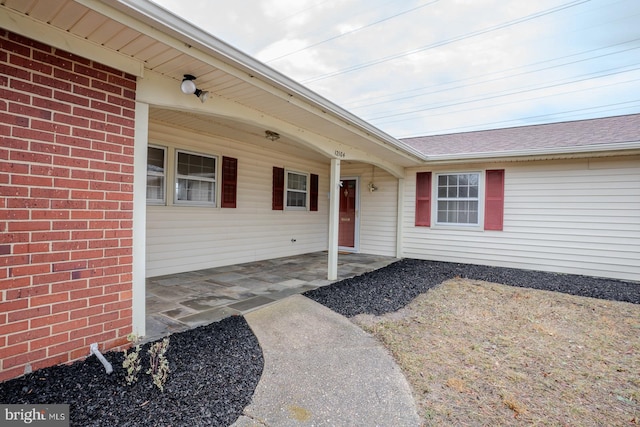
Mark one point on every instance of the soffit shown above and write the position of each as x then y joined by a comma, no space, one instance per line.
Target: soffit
164,50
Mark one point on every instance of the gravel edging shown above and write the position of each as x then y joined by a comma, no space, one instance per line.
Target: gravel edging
394,286
214,372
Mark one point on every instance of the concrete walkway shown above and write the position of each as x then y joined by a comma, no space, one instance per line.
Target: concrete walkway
322,370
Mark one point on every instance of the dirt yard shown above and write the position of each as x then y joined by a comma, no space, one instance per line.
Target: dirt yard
484,354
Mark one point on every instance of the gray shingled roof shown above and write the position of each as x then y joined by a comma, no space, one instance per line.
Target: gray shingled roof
553,136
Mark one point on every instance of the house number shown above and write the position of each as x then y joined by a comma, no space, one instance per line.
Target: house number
339,153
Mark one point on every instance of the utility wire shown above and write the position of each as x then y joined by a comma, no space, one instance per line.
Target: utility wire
448,41
501,123
583,77
501,78
388,18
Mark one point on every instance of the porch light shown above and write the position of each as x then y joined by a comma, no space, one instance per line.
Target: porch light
188,86
269,134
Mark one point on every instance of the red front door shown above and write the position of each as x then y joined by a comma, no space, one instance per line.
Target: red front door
347,217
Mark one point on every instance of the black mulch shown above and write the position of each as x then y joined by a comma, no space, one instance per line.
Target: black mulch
391,288
214,372
215,368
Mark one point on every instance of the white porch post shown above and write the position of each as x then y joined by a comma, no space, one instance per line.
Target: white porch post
334,210
140,217
400,218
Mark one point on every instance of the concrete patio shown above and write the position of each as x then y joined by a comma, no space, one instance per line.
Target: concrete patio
178,302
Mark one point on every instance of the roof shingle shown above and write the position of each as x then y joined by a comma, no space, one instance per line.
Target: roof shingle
608,130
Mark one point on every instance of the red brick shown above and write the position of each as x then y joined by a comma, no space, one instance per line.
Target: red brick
50,361
15,168
48,171
50,214
66,347
29,335
13,350
118,305
22,156
73,245
49,193
54,60
88,134
29,42
86,293
19,282
51,105
71,183
67,266
14,306
104,299
87,215
88,235
48,341
89,113
68,306
29,313
105,336
15,214
30,248
50,258
49,236
71,56
14,260
20,61
9,191
18,48
31,180
48,299
69,326
72,162
103,318
87,195
6,374
10,328
71,119
90,254
123,82
49,148
50,127
70,225
33,134
104,166
29,226
51,278
72,77
68,204
26,293
69,285
52,320
51,82
28,203
106,87
26,110
85,332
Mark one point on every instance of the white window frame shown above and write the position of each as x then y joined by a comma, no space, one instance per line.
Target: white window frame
177,177
287,190
478,199
163,175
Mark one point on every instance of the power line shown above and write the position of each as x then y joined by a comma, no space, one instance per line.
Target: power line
503,77
501,123
388,18
447,41
583,78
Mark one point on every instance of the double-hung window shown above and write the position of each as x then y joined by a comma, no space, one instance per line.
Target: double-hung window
195,179
458,198
156,175
296,190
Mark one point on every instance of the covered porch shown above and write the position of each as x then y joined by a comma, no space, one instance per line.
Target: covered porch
181,301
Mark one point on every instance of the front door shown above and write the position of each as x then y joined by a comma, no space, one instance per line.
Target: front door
347,225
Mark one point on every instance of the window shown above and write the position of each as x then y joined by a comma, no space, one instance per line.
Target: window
195,179
296,190
156,175
457,198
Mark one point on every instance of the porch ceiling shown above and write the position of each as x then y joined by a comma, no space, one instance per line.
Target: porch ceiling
165,44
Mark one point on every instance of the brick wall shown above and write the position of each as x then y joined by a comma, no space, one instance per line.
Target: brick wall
66,205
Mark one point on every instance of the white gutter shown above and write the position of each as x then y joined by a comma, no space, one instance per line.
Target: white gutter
186,32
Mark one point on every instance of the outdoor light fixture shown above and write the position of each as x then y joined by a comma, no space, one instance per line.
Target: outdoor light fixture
269,134
189,86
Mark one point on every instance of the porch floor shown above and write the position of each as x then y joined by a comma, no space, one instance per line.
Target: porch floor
178,302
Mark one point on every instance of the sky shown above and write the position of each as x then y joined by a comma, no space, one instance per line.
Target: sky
425,67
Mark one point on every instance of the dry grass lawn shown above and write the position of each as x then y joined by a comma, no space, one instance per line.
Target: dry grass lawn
484,354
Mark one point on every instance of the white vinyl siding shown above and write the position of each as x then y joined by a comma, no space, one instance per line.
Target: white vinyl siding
574,216
187,238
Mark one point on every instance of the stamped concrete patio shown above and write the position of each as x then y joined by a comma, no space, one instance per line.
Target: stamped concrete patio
178,302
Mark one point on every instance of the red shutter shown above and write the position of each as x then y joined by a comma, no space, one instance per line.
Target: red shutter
313,202
229,182
494,200
423,199
277,203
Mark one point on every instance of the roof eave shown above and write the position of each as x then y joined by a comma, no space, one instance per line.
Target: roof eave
194,36
632,147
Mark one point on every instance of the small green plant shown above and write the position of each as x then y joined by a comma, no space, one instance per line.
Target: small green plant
158,363
131,360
